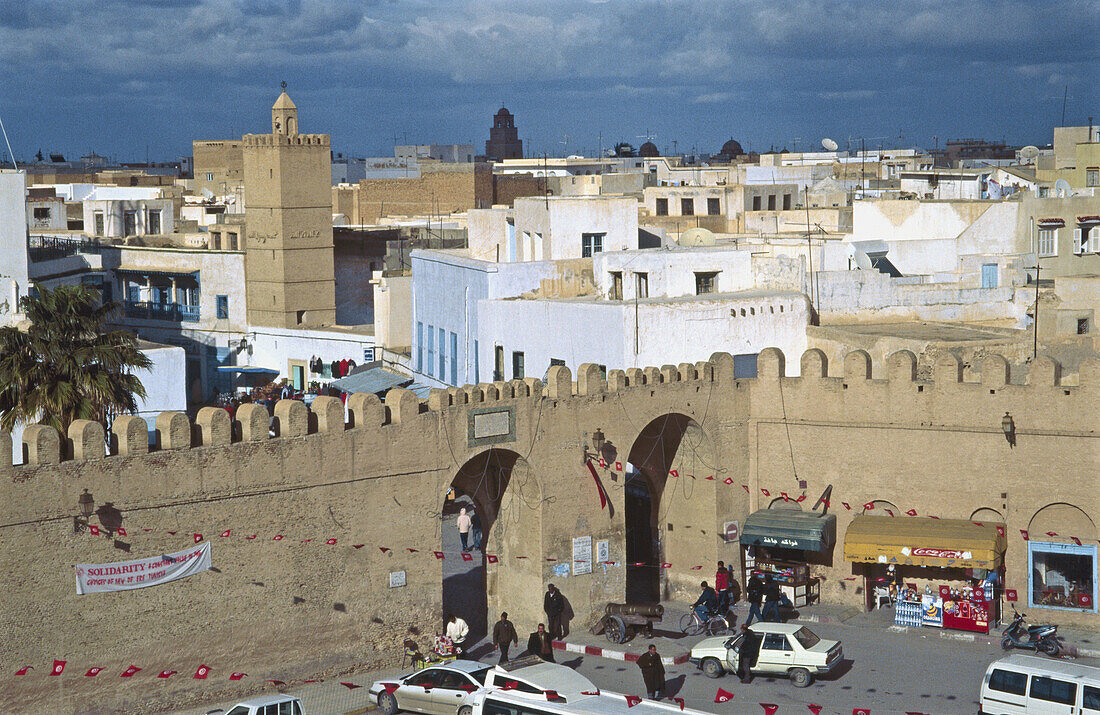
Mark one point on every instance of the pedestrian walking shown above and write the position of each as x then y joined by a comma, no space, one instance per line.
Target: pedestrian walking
722,586
539,643
553,603
464,525
746,654
504,636
772,597
475,530
754,592
653,673
457,630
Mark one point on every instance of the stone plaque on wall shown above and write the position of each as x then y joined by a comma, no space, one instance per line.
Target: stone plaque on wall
582,555
397,579
492,425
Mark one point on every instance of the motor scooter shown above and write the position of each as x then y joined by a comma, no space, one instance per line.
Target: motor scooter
1038,638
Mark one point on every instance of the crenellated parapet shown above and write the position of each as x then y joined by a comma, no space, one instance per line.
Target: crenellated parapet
401,409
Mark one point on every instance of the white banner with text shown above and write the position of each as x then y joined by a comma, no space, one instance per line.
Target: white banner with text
128,575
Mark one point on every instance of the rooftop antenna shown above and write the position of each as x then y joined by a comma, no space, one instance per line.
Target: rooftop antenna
828,144
565,145
5,131
1065,96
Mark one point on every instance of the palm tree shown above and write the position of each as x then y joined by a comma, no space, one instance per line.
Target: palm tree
65,366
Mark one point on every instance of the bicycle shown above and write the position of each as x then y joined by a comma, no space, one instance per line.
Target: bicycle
715,625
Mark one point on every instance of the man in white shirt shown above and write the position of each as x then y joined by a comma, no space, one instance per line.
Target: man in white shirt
464,523
457,630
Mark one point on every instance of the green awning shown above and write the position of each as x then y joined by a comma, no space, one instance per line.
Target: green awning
790,529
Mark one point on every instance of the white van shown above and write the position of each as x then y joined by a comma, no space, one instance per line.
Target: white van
498,702
1030,685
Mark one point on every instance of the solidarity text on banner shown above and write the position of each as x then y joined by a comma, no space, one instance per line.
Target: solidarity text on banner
127,575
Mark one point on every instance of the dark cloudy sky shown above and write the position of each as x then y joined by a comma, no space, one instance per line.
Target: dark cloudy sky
118,76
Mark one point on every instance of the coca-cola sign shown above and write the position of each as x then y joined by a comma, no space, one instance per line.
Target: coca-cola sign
938,553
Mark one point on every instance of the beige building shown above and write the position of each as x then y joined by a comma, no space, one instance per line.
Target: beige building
219,167
289,267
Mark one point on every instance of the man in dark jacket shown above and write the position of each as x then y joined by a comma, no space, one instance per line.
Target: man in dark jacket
746,654
539,643
653,672
504,635
755,595
706,604
553,603
772,596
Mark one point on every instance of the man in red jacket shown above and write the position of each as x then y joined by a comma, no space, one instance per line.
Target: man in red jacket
722,586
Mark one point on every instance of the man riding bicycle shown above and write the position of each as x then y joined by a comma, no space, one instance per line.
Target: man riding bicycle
707,605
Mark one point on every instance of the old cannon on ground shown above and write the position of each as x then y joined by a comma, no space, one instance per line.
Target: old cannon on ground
622,621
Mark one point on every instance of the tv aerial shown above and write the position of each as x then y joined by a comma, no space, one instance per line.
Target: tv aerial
828,144
1029,153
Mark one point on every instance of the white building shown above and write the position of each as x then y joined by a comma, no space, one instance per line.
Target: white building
14,277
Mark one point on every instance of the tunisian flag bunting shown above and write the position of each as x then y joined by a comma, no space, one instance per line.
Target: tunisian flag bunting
197,537
58,667
201,673
861,711
166,673
23,670
769,708
678,701
93,672
815,709
129,672
723,696
599,486
632,700
237,676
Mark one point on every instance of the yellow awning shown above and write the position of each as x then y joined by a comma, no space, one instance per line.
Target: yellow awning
920,541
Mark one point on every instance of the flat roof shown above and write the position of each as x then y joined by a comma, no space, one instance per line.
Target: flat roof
927,330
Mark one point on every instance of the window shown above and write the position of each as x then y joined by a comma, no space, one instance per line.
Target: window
807,638
643,284
1048,243
216,241
129,223
442,354
616,290
591,243
240,710
1008,681
154,222
771,202
989,275
431,351
498,362
223,306
231,241
556,361
687,206
419,347
97,219
755,203
517,365
1062,576
714,207
786,202
300,316
1053,690
1082,326
41,213
209,176
477,363
662,207
494,707
1092,176
775,641
705,283
454,359
1091,700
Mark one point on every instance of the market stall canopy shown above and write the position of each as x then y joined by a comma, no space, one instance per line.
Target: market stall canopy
921,541
791,529
247,369
374,380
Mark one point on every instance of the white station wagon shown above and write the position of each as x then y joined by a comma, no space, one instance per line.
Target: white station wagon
785,649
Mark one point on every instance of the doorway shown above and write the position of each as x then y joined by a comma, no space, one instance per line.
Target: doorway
642,549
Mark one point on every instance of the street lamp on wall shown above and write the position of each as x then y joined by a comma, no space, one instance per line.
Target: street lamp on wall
1008,426
598,443
86,507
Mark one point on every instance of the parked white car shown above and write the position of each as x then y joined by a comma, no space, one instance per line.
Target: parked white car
785,649
443,689
268,705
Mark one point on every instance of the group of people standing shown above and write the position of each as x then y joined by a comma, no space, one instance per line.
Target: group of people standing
469,529
541,640
764,592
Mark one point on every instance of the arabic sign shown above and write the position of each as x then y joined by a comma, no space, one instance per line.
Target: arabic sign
582,555
128,575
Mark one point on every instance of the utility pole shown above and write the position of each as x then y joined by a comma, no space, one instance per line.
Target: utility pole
1035,323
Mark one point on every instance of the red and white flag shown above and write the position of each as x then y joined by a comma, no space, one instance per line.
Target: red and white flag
1023,533
357,546
769,708
710,478
304,541
765,492
815,709
390,687
666,565
122,531
166,673
1052,533
846,505
861,711
23,670
912,512
413,551
491,558
330,542
869,506
129,672
590,692
743,486
201,673
226,533
618,466
58,667
278,537
889,512
551,694
632,700
673,473
1000,531
467,557
237,676
438,554
1075,540
93,529
351,686
384,549
784,495
678,701
252,537
723,696
173,533
696,568
92,672
801,498
196,537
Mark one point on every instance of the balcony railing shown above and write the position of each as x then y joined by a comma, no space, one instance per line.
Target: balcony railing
175,312
49,248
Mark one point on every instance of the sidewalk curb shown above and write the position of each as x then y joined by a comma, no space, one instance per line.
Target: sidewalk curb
601,652
990,640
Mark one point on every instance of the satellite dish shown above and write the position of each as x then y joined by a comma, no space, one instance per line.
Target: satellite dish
1029,152
697,236
828,144
1061,188
208,194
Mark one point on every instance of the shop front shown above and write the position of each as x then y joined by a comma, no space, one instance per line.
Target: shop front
1062,576
943,573
786,543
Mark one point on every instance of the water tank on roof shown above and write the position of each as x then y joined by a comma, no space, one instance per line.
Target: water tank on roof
697,237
